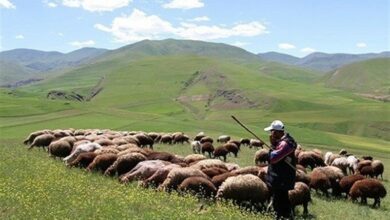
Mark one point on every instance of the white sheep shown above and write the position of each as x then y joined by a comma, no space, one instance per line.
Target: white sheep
223,138
87,147
196,147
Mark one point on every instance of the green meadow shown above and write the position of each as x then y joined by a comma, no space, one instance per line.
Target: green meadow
177,92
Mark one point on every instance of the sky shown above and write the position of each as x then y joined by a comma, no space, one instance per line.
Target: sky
297,27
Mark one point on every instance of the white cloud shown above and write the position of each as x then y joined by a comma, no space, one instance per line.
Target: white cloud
6,4
82,43
60,34
51,4
138,26
19,37
308,50
96,5
361,45
202,18
286,46
184,4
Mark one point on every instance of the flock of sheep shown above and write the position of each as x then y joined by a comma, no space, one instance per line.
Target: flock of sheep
130,156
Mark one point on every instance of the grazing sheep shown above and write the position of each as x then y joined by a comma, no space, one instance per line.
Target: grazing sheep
223,139
214,171
207,163
166,139
366,171
102,162
70,139
300,195
261,156
243,189
245,141
341,163
33,135
196,147
60,148
161,156
232,148
378,168
221,151
206,139
106,150
153,135
87,147
306,159
199,136
181,138
324,178
237,143
177,175
352,163
132,140
83,160
219,179
363,163
255,143
193,158
144,140
207,147
247,170
143,170
347,181
125,163
368,188
42,140
159,176
198,185
104,142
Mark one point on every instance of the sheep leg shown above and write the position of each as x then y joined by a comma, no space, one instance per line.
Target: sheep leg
377,202
305,210
224,158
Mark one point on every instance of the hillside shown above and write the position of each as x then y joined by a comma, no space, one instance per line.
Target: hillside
279,57
35,64
370,77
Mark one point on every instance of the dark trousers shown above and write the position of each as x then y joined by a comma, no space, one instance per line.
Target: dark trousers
281,204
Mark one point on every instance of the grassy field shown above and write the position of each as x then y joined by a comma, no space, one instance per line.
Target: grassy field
166,94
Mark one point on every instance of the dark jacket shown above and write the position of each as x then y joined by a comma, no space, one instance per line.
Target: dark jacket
281,175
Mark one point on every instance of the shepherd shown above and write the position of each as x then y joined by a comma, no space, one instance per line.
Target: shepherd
281,169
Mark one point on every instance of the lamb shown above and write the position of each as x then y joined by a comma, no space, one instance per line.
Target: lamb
221,151
143,170
196,147
42,140
199,186
244,188
347,181
261,156
255,143
207,147
194,158
83,160
368,188
300,195
88,147
60,148
378,168
223,139
232,148
102,162
33,135
159,176
124,163
177,175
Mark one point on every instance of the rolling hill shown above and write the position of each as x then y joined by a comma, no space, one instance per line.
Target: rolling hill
370,77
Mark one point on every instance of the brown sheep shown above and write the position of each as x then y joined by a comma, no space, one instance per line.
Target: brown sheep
206,139
177,175
213,171
125,163
363,163
159,176
324,178
181,139
237,143
198,185
161,156
60,148
104,142
199,136
368,188
256,143
132,140
102,162
347,181
221,151
166,139
83,160
144,140
219,179
193,158
42,140
378,168
232,148
366,171
33,135
300,195
301,176
261,156
245,141
207,147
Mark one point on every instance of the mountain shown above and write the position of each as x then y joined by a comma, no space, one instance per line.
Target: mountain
370,78
321,61
279,57
36,62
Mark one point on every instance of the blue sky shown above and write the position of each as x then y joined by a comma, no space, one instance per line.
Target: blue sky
293,27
